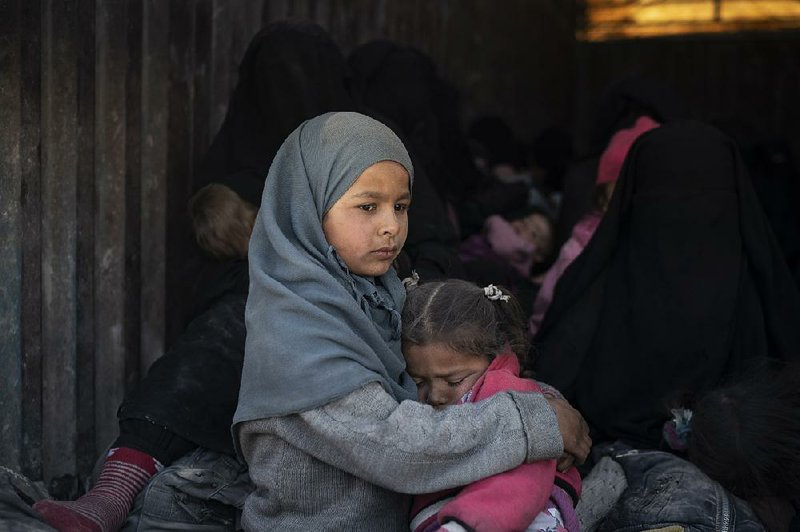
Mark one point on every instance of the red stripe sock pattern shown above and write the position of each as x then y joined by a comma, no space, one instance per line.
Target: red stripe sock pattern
104,507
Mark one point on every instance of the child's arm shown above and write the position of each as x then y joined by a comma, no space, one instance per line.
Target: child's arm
412,448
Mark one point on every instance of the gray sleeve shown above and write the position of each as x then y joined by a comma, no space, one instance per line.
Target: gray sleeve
411,448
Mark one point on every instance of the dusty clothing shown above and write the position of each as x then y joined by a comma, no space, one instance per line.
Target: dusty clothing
666,491
203,490
349,464
192,390
17,494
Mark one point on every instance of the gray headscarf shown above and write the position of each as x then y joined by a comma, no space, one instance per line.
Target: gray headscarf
315,331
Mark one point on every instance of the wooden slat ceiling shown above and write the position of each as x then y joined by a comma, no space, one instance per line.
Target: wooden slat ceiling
621,19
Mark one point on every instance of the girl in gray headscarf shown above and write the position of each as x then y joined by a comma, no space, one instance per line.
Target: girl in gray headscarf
326,418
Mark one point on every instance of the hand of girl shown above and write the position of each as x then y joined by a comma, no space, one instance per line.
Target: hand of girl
574,430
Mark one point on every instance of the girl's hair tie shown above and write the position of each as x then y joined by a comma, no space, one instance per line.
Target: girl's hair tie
494,293
676,430
411,282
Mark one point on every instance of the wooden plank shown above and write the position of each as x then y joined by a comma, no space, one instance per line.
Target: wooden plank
31,27
155,76
10,236
86,449
110,216
59,169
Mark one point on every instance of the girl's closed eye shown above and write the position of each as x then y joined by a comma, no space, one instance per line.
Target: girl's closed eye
455,383
442,374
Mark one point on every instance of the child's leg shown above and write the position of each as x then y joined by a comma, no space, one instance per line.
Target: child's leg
135,457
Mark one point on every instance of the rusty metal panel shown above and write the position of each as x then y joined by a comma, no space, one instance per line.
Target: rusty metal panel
10,237
155,113
110,216
85,263
59,207
31,119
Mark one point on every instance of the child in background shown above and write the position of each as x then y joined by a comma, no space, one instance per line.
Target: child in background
326,420
746,436
607,173
222,221
461,343
511,251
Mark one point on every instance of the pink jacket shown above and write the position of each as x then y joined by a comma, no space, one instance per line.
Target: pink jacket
508,501
581,234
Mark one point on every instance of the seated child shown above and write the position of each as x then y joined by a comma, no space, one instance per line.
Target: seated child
746,436
608,171
222,221
461,342
326,419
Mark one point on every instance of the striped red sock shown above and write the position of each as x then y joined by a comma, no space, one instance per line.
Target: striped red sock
105,506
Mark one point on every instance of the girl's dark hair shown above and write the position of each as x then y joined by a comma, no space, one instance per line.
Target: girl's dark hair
746,436
459,315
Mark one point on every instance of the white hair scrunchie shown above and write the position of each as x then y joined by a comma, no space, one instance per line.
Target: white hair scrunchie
494,293
411,282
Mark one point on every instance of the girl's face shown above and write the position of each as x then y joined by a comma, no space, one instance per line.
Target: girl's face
368,225
443,376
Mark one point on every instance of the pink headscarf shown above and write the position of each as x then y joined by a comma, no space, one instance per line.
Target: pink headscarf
612,159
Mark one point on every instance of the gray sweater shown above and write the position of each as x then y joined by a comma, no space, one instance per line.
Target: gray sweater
349,465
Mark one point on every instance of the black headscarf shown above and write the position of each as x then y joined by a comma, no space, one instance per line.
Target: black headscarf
401,83
291,71
681,286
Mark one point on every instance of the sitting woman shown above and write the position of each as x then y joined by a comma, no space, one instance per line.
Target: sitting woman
682,286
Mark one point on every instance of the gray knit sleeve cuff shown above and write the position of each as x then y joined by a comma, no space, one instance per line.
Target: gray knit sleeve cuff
540,425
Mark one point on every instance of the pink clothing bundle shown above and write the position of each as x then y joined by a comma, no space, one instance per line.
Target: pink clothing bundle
510,500
581,234
509,245
614,156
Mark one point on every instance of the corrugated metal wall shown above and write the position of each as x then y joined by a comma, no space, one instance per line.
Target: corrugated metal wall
105,107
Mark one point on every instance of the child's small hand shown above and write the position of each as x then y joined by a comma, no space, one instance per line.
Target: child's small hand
565,462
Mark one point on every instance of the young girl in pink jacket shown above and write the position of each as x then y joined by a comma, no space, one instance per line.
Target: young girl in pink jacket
461,344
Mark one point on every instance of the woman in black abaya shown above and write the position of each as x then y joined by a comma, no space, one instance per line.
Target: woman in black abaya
682,287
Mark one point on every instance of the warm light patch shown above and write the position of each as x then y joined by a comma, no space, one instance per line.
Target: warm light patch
616,19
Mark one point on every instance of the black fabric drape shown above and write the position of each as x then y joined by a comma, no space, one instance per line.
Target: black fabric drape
681,286
400,83
192,390
292,70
